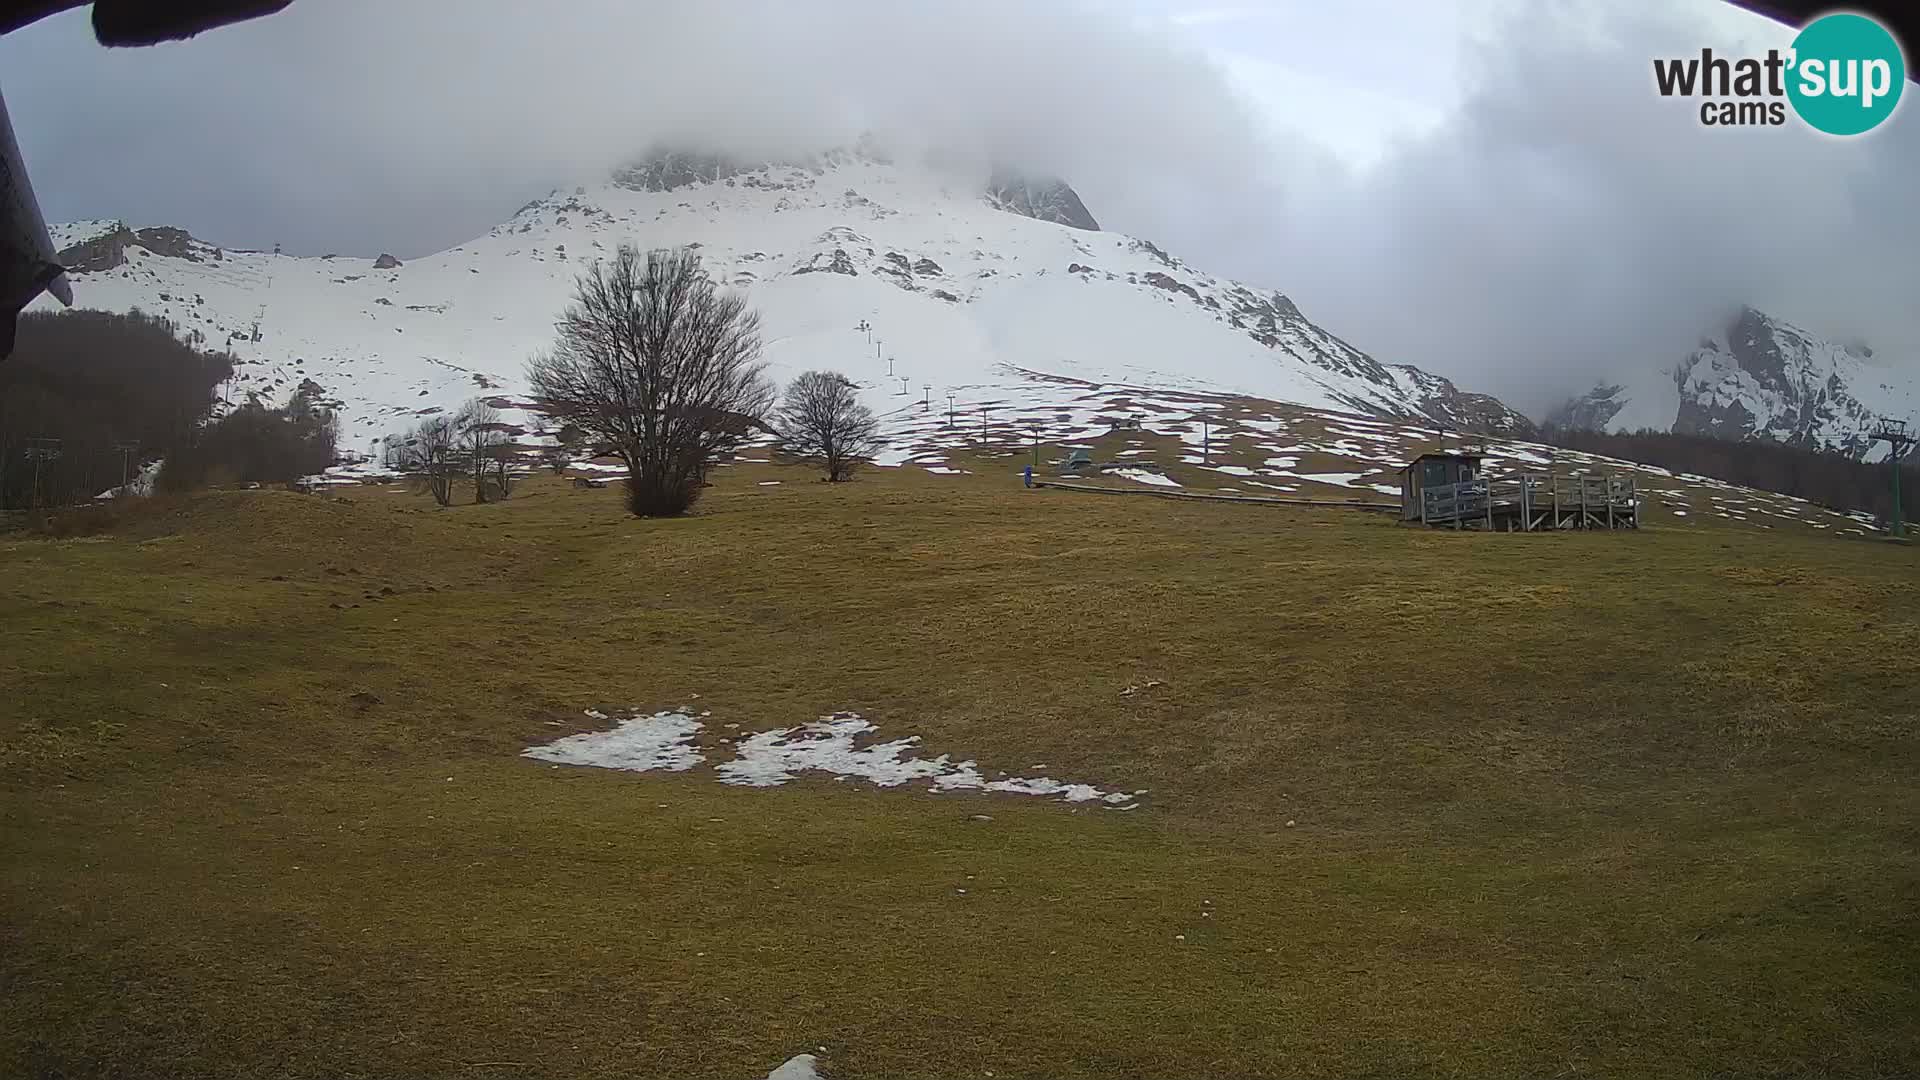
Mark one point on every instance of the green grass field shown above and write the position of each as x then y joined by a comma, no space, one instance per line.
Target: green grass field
1419,803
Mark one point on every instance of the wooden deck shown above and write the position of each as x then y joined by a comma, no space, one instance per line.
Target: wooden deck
1532,502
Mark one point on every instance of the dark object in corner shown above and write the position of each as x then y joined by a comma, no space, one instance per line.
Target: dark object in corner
27,267
143,22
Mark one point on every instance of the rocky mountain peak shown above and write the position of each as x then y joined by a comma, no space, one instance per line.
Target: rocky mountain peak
107,249
1040,198
1756,377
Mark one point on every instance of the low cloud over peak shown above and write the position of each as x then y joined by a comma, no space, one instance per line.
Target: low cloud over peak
1556,222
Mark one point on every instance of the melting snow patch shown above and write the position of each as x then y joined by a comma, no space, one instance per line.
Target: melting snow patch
1145,477
638,744
772,758
769,483
798,1067
1336,479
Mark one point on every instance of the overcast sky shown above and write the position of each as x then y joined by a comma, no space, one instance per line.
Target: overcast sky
1487,188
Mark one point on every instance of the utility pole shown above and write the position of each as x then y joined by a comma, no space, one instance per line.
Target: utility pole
39,451
1206,438
983,423
1036,445
866,326
949,410
926,394
890,367
1899,440
903,385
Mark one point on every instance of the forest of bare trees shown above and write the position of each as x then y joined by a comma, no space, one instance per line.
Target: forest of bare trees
1829,479
89,398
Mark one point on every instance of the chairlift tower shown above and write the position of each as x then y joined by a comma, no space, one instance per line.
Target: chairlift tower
1899,440
40,451
126,450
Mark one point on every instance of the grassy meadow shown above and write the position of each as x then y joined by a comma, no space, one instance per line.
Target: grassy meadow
1419,804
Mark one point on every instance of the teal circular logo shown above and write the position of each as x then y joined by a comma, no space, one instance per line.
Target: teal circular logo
1845,74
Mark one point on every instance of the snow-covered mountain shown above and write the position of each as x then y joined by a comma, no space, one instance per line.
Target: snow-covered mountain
1758,378
911,279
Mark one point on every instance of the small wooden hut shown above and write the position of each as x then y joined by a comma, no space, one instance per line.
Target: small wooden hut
1433,469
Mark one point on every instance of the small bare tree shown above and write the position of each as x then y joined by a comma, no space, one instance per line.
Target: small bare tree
484,445
429,453
821,419
656,364
503,471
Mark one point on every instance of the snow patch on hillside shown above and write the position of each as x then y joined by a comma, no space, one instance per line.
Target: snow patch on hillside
665,741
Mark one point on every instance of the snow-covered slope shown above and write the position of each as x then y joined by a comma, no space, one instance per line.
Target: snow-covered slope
1760,377
957,284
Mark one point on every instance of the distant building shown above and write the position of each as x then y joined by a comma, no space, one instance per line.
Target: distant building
1433,469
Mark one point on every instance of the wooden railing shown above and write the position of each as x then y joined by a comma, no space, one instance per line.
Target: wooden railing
1531,501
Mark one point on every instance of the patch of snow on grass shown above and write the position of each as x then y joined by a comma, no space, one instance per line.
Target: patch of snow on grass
1145,477
1336,479
772,758
637,744
798,1067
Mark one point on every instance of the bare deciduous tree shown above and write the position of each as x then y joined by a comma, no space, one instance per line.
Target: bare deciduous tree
660,367
503,471
821,419
484,446
430,453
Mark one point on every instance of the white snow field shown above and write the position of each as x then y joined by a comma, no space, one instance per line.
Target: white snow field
957,295
831,745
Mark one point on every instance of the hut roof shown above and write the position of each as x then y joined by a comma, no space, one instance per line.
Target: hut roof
1437,450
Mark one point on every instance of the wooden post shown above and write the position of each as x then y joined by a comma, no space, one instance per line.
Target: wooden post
1489,484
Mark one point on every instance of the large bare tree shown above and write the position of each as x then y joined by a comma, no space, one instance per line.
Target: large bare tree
654,362
821,419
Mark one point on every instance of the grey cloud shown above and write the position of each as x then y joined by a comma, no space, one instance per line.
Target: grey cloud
371,124
1568,223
